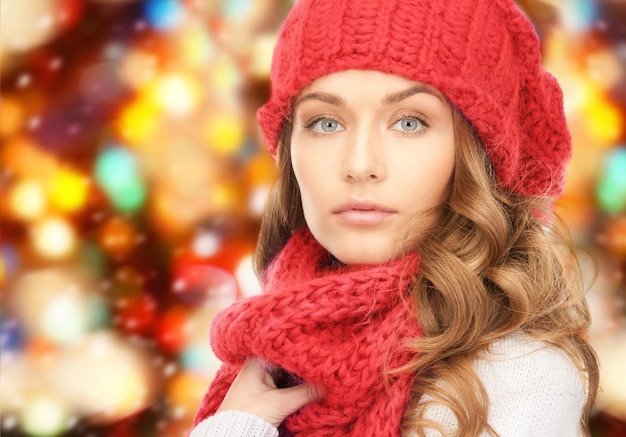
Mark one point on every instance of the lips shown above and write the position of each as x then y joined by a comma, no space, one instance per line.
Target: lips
363,212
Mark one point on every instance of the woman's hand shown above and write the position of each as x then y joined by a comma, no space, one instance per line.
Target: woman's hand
254,391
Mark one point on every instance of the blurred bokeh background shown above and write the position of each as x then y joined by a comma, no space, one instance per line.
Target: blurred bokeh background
132,180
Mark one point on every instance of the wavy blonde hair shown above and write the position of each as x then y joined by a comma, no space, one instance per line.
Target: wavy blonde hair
497,263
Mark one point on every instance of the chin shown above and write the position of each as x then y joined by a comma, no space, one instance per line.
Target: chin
362,257
354,249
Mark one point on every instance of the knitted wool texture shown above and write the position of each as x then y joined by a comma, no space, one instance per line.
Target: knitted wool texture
339,329
484,55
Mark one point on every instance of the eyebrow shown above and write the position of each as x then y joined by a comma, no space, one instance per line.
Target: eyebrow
392,98
323,97
389,99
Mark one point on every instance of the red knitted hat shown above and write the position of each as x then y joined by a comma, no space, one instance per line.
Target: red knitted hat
483,54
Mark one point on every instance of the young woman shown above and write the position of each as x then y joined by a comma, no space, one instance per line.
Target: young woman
416,280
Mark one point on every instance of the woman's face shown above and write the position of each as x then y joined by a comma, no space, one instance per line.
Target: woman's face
370,151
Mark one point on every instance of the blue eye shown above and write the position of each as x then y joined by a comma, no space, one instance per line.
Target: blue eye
326,125
409,124
322,125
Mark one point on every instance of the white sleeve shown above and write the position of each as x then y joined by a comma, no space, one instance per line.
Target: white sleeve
233,424
534,389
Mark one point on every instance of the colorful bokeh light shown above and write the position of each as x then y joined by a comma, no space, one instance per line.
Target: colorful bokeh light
117,172
134,178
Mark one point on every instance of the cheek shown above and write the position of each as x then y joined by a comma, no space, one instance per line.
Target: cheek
424,170
310,167
441,177
309,175
426,181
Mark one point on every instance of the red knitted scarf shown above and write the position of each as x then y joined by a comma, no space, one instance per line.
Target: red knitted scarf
340,328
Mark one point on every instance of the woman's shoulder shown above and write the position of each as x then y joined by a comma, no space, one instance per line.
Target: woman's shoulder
518,361
534,388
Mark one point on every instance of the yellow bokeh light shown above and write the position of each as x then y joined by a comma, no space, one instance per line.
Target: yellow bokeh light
261,58
53,238
138,122
177,94
604,121
27,200
44,415
68,191
225,134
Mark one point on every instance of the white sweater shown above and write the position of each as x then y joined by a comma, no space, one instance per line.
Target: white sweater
534,390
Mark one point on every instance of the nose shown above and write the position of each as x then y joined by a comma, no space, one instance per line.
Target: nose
364,158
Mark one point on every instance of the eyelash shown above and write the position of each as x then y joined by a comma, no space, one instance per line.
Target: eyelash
409,115
310,123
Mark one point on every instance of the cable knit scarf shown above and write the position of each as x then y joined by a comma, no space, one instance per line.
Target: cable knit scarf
340,328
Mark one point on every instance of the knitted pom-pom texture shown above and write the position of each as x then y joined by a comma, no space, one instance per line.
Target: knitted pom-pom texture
339,328
484,55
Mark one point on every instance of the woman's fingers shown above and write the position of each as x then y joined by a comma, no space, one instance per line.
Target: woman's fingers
254,391
254,373
296,397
